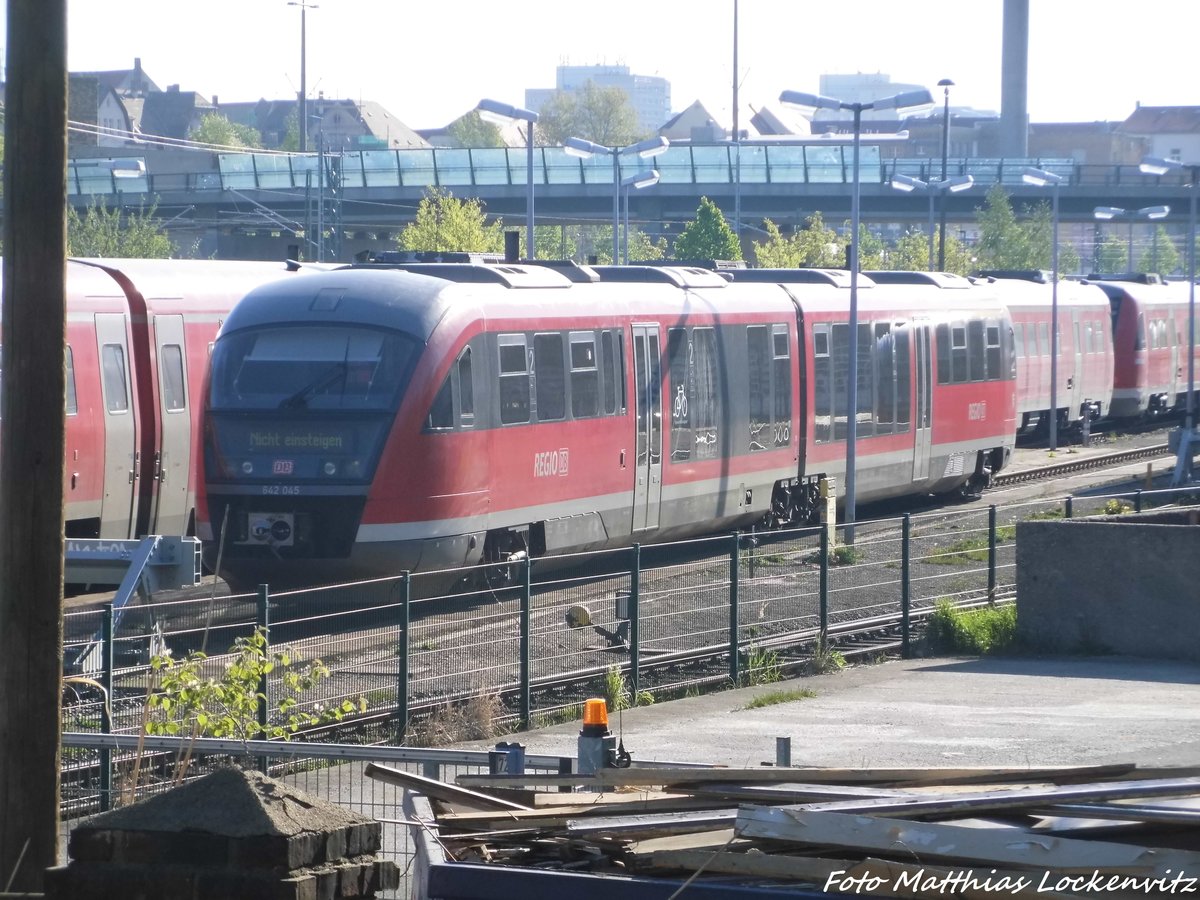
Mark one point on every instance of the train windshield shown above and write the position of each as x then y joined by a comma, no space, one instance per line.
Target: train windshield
329,368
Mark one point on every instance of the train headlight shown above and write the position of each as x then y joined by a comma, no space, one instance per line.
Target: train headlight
247,467
330,467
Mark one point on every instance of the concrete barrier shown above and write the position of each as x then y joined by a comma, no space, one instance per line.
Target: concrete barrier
1127,584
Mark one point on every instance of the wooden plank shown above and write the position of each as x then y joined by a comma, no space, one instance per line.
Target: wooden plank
703,840
1014,798
561,814
652,825
951,842
439,790
774,775
788,793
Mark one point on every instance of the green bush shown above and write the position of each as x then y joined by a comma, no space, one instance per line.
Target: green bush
990,629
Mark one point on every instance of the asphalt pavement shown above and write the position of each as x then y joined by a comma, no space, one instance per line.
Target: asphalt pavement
1006,711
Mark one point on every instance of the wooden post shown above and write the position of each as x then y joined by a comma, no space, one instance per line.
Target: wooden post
32,439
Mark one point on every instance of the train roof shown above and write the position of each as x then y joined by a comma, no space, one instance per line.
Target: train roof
1021,293
1169,292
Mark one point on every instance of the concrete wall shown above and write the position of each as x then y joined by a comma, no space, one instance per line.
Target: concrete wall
1128,585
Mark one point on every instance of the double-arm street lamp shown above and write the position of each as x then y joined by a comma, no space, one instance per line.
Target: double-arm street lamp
1042,178
501,114
635,182
906,100
945,84
646,149
1155,166
935,189
305,6
1149,213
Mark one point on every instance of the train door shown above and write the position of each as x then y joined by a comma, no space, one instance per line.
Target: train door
1075,385
118,509
170,507
923,411
647,490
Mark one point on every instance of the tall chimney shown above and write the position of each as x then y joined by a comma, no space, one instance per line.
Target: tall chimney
1014,80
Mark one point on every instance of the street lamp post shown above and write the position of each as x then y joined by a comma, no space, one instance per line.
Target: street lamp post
305,6
945,84
935,189
635,182
1042,178
906,100
1108,213
502,113
646,149
1156,166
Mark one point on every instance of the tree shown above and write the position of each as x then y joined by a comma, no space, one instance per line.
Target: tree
1111,255
603,115
708,236
472,131
815,246
444,222
871,252
291,133
216,129
911,252
102,231
1003,243
1161,255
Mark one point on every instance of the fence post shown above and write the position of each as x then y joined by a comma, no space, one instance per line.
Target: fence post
264,622
1137,501
634,621
106,723
992,554
905,586
734,562
403,651
1070,506
824,594
526,602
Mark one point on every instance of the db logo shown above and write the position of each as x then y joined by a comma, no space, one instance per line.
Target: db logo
551,462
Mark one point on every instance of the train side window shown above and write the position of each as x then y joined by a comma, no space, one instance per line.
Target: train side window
758,382
585,376
822,385
1019,339
466,390
116,389
441,413
174,395
782,383
976,355
958,354
514,379
865,414
608,360
72,397
994,369
1139,342
840,352
549,379
705,402
1089,344
903,379
885,379
678,360
943,354
1043,339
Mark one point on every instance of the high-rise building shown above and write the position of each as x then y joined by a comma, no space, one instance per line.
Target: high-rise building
649,95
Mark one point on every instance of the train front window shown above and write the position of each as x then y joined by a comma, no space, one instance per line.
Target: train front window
329,368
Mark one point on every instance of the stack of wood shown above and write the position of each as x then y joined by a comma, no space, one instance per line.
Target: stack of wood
1109,831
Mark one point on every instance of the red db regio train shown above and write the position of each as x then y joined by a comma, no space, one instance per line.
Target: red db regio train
138,340
375,419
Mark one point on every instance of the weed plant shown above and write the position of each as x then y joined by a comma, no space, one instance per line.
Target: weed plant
990,629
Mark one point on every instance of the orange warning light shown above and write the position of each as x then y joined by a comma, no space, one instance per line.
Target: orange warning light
595,712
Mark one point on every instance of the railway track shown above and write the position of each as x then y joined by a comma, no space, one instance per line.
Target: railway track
1083,464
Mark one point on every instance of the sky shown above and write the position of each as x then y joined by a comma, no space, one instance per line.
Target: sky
430,61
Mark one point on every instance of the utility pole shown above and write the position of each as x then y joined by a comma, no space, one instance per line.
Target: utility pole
32,440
